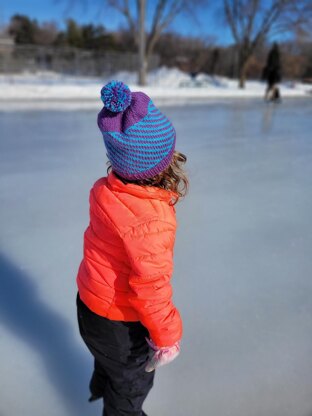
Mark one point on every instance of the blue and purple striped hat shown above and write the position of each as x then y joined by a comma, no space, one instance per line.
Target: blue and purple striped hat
139,139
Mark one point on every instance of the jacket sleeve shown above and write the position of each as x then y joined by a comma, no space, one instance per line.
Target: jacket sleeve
150,251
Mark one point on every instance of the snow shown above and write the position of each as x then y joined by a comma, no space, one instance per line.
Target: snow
242,278
45,90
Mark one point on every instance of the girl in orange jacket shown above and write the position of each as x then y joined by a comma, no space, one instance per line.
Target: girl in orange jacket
125,311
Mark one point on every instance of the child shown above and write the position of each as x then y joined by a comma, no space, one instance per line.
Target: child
125,313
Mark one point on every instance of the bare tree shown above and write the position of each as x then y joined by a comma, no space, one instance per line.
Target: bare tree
251,21
165,11
142,42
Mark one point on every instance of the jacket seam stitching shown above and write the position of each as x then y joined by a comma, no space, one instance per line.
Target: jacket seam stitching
125,234
105,215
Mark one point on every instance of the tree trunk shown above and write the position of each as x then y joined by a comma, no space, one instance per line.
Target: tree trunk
242,78
142,42
243,66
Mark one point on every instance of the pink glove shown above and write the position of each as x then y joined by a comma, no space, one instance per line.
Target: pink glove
162,355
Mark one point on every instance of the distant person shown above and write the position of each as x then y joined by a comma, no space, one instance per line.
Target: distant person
272,73
193,75
125,311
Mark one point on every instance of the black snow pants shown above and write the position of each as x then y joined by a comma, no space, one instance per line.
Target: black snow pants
120,354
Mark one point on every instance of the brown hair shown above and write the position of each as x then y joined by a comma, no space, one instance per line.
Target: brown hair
173,178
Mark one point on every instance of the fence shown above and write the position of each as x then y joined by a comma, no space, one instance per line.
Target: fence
67,60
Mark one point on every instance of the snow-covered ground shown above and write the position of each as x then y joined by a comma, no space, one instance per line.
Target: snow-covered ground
243,262
166,86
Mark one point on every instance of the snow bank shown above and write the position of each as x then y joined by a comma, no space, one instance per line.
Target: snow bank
166,86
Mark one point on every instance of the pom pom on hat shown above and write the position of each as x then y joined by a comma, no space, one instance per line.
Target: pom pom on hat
140,141
116,96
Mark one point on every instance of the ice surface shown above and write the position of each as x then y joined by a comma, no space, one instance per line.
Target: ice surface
243,263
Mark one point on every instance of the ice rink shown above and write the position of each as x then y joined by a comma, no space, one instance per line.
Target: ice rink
243,264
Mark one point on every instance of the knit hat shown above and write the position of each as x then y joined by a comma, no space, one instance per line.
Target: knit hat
139,139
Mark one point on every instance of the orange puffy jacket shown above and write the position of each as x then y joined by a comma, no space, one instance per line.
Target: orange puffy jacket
128,257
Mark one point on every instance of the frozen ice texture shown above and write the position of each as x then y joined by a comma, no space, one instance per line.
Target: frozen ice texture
243,263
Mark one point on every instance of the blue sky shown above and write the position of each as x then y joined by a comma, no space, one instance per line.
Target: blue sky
207,23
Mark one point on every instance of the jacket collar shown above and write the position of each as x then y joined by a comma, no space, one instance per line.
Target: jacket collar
144,192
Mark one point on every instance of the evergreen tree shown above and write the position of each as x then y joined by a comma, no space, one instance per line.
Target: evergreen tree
23,29
96,38
73,34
